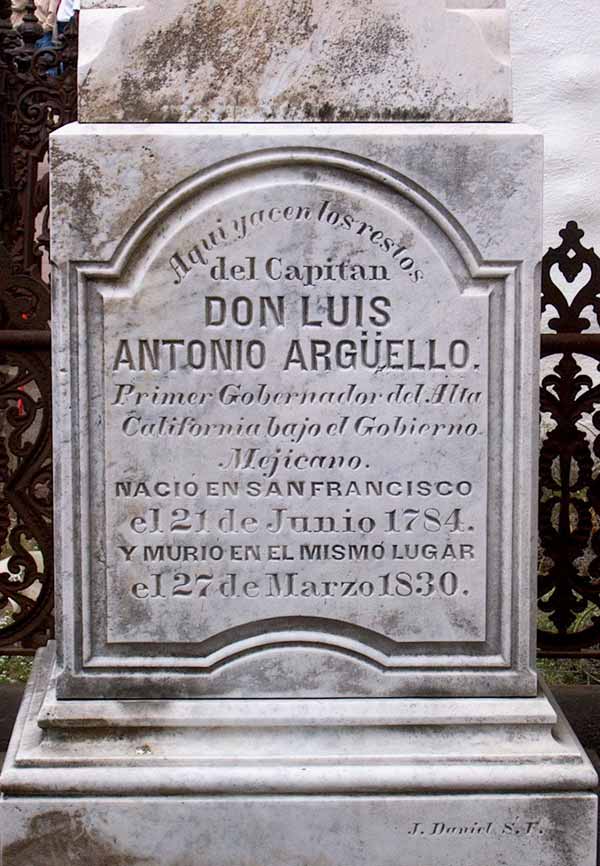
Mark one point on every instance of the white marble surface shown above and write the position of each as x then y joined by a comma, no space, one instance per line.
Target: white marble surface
294,783
329,831
350,536
289,747
191,60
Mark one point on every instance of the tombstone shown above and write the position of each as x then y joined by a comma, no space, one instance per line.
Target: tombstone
323,60
295,373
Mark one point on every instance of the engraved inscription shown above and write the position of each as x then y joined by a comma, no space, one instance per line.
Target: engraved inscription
515,827
296,403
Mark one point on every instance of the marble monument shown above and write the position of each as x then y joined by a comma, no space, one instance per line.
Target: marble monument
294,60
295,372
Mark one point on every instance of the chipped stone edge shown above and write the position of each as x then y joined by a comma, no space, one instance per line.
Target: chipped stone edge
493,25
99,27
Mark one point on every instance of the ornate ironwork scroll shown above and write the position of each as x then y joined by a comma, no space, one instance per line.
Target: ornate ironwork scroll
37,95
569,579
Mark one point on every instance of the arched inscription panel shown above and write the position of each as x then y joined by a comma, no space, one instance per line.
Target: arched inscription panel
299,361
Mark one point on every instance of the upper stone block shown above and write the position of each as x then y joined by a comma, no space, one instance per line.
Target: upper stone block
294,60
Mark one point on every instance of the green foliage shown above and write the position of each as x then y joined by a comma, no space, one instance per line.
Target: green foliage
570,672
15,669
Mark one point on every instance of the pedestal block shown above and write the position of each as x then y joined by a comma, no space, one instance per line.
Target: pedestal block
230,783
295,372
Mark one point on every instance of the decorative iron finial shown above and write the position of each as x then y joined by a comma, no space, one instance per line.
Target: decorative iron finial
6,27
9,38
5,13
30,28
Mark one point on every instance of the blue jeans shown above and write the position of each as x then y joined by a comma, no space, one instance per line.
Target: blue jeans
47,41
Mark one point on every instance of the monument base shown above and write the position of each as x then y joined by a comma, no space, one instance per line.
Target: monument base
516,830
427,782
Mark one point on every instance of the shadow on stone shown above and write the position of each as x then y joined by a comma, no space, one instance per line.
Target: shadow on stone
581,706
10,700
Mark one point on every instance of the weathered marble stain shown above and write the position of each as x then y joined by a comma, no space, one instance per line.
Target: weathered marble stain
66,838
295,61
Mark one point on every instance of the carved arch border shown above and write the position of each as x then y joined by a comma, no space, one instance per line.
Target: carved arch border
127,264
287,157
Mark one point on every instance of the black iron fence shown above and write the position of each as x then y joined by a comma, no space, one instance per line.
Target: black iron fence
37,95
569,573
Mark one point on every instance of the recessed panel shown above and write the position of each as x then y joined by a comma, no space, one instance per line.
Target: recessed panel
295,397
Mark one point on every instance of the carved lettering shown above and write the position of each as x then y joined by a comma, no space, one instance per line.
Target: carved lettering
298,429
